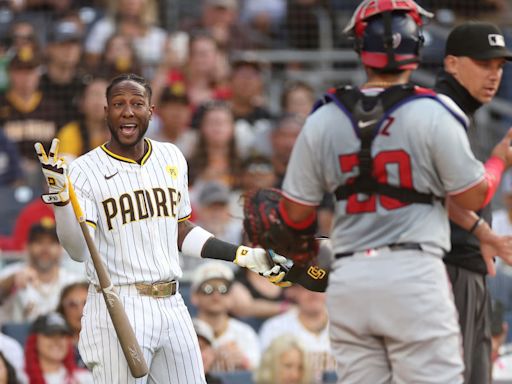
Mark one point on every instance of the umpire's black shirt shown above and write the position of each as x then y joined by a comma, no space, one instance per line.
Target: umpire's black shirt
465,251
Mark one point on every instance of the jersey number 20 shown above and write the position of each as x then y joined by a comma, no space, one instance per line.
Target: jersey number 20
384,161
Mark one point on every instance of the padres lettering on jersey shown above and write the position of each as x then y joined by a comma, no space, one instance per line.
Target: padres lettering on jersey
135,209
142,204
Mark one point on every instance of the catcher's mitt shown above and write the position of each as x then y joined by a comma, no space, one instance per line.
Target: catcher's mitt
266,228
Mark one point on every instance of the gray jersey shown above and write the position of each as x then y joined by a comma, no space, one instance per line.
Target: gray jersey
421,145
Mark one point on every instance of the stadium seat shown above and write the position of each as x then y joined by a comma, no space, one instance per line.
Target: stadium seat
185,293
329,377
18,331
236,377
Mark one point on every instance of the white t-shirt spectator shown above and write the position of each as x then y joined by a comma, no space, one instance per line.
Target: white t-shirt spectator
81,376
26,304
244,337
316,344
13,352
149,48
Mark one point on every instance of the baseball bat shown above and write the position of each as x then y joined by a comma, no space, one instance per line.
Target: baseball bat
124,330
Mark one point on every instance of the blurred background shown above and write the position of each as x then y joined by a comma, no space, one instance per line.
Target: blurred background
233,82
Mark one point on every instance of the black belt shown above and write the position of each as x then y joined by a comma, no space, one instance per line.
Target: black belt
392,247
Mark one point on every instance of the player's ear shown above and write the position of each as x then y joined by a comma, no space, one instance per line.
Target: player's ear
151,110
450,64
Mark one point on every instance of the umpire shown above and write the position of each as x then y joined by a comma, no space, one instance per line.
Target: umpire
473,66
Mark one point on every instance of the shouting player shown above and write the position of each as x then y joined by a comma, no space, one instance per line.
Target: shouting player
390,153
134,194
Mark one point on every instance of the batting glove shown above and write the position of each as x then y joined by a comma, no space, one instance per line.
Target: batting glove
260,261
55,171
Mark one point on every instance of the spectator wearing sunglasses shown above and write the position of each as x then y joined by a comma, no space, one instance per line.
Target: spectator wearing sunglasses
71,307
235,343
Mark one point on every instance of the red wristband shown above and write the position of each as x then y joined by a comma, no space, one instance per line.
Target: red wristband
494,168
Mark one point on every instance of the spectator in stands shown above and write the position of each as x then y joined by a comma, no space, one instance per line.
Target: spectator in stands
235,343
118,57
282,138
298,98
63,80
203,75
213,214
206,338
309,323
26,114
71,307
34,212
285,361
135,19
173,116
49,353
252,118
22,34
8,374
90,129
31,288
12,355
220,19
10,167
265,18
304,20
215,156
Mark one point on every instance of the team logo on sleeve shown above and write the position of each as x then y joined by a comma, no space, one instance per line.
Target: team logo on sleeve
316,273
172,170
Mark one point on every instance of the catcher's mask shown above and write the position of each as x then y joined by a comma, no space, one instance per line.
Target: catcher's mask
387,33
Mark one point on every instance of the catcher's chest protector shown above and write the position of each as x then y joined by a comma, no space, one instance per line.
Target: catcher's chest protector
367,113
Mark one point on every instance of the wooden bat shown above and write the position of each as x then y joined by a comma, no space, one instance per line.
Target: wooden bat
124,330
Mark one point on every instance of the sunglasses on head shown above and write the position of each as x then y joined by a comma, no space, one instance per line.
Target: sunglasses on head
71,303
209,289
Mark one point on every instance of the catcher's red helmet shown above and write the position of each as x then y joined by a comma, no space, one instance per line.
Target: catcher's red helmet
387,33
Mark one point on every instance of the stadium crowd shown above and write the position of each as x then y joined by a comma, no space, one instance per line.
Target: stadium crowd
211,92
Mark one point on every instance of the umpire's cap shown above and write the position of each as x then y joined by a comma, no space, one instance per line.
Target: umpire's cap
477,40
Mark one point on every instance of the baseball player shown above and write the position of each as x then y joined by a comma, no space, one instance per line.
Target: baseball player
134,194
386,150
473,65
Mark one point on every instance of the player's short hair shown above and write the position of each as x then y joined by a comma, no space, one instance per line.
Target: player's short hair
129,77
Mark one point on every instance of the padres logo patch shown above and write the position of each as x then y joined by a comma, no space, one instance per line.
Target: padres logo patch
316,273
172,170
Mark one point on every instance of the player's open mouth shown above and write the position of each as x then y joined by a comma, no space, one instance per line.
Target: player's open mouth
128,129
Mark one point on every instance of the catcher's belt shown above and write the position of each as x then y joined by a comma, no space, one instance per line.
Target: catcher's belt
157,290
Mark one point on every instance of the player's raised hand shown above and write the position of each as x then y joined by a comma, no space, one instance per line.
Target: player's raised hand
55,171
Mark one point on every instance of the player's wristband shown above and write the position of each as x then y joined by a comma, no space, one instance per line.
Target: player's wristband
194,242
494,168
475,226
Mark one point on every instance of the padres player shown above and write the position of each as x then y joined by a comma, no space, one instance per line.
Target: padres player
387,152
134,193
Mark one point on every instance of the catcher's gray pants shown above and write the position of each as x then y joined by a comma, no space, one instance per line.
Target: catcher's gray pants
393,320
474,307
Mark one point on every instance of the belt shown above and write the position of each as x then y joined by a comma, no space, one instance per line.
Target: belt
392,247
157,290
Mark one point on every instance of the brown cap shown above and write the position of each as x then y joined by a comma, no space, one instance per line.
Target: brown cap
25,57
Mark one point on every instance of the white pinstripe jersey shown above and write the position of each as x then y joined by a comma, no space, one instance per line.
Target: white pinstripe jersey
421,144
135,209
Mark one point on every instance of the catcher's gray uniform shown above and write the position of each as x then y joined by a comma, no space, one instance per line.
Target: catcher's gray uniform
389,307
